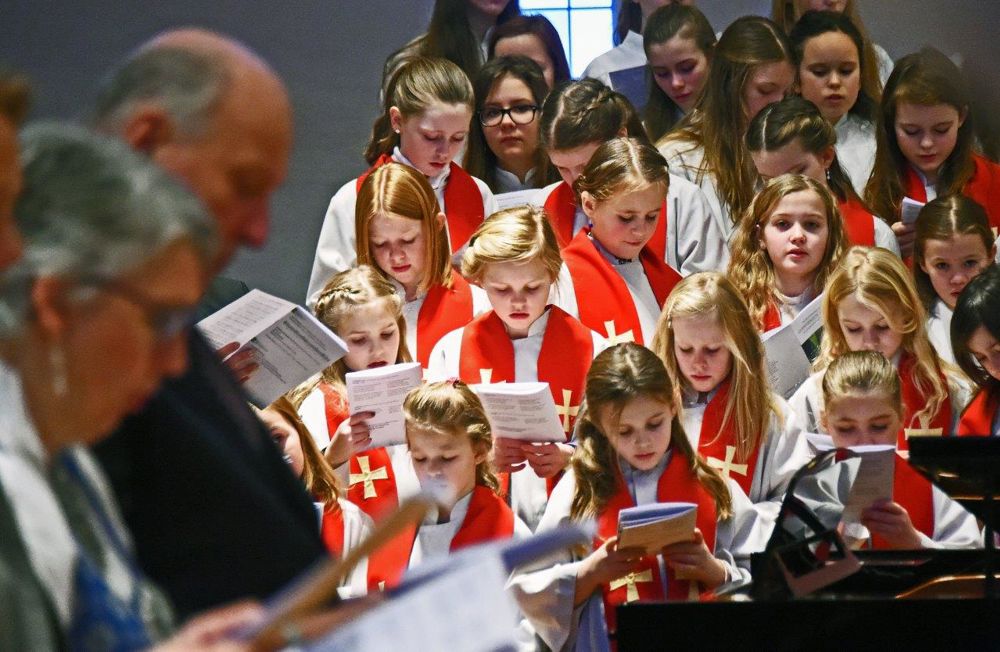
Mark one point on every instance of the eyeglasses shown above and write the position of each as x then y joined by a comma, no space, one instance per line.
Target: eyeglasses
521,114
165,321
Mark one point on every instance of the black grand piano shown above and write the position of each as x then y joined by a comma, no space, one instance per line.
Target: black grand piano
912,600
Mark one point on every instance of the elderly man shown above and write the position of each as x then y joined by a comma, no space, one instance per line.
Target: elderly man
214,511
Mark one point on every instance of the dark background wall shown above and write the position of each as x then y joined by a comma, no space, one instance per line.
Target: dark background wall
330,55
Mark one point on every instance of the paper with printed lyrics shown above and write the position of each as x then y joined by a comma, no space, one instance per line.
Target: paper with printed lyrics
526,197
651,527
522,411
791,348
382,390
873,481
910,210
290,343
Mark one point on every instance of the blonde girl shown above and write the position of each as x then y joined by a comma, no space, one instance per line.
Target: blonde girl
342,524
953,245
514,256
449,441
785,248
715,360
427,112
615,280
862,395
792,137
401,234
871,304
926,144
751,68
362,308
632,451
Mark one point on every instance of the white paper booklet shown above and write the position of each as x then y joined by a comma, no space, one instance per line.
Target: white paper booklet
652,527
522,411
528,196
291,343
791,349
910,210
874,480
382,390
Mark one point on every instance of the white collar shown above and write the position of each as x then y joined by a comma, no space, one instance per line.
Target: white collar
458,512
401,291
437,182
633,41
689,397
538,327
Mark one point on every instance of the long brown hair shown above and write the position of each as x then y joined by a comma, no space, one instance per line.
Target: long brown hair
618,375
317,476
539,27
925,78
584,112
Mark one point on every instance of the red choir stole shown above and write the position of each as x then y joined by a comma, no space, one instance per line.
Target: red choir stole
488,519
772,317
601,294
718,447
914,401
977,419
678,483
983,187
444,310
560,206
463,202
332,530
913,492
859,223
371,479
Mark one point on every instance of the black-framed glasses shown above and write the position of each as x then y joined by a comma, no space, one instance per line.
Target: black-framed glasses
520,114
165,321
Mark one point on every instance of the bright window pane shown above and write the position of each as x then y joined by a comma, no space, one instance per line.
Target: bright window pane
541,4
560,20
591,30
603,4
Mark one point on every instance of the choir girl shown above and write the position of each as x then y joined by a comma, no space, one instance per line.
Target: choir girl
785,249
428,110
401,235
449,440
863,400
926,143
536,38
615,279
361,307
834,75
514,256
576,120
975,338
953,245
871,304
632,451
751,68
678,41
788,12
504,147
343,526
716,364
791,137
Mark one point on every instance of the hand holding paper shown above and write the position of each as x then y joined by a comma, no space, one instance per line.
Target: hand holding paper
523,411
653,527
381,391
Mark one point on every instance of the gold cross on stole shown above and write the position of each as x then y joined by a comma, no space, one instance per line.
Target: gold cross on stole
629,582
614,337
566,410
727,465
368,476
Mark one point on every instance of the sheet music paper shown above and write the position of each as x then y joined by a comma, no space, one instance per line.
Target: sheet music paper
522,411
791,348
526,197
911,210
291,344
382,390
652,527
874,480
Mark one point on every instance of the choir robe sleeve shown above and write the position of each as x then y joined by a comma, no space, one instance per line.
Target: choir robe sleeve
806,404
695,241
954,526
335,250
444,361
312,411
884,237
685,160
358,526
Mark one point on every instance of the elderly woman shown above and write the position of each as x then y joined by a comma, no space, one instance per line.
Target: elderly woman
92,319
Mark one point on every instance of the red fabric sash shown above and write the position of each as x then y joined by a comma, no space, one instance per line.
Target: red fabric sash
983,187
772,317
913,492
488,519
560,206
677,484
914,401
859,223
713,443
601,293
335,405
332,530
381,495
444,310
977,419
463,203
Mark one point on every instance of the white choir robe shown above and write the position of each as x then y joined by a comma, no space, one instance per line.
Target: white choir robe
856,149
544,591
336,250
884,237
939,330
790,307
885,63
685,160
784,451
411,311
358,526
628,54
528,492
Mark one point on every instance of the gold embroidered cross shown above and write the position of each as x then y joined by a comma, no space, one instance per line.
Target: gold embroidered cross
924,430
614,337
566,410
694,589
367,476
485,376
727,465
629,582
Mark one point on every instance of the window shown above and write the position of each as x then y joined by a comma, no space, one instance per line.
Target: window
585,27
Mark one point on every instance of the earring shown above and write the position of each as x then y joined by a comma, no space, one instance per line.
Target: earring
57,362
828,175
